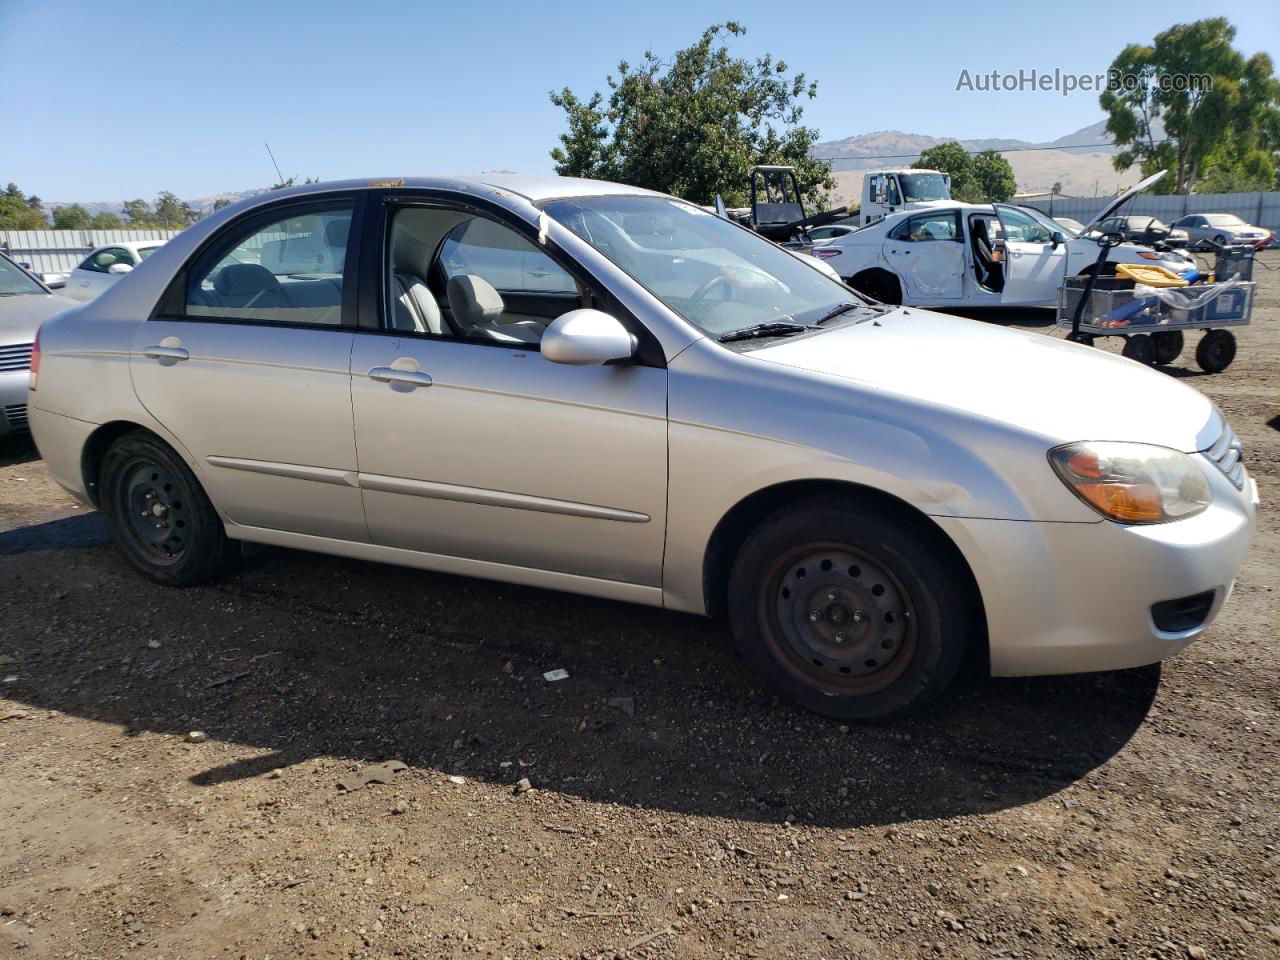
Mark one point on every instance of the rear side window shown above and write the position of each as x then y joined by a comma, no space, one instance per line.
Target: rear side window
285,270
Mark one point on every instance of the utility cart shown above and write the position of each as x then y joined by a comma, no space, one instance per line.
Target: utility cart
1153,318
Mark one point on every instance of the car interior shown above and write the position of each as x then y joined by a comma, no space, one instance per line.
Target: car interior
455,274
289,271
988,265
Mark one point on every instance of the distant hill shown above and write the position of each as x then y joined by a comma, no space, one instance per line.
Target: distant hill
203,204
1076,160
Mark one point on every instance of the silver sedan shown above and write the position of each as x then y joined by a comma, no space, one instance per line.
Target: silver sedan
25,303
584,386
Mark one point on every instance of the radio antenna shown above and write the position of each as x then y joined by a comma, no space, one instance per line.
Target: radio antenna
279,175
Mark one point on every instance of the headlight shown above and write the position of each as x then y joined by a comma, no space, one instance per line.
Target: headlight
1133,482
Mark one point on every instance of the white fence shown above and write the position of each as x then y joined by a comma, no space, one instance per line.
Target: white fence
1260,209
57,251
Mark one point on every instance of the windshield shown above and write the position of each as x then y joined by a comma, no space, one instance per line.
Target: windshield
14,280
144,252
1224,220
925,186
717,275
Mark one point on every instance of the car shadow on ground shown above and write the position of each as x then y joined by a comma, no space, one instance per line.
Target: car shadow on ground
17,449
297,656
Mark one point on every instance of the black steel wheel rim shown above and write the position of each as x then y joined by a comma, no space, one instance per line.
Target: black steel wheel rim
838,619
155,510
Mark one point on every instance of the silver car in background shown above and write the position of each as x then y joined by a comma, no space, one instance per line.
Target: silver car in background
589,387
25,303
1208,230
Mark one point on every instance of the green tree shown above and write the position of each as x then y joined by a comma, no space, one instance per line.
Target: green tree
17,212
172,213
1216,107
693,126
985,178
953,159
138,213
73,217
106,221
994,176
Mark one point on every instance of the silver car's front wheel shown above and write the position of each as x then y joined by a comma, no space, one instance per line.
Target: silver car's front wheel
851,611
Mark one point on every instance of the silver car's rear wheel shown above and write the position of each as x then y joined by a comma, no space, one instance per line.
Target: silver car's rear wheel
158,514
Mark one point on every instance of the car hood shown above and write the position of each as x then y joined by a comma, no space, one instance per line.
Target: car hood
21,316
1059,390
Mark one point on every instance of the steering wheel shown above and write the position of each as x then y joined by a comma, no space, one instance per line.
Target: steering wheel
705,288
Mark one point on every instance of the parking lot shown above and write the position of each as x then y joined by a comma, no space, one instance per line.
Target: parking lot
676,809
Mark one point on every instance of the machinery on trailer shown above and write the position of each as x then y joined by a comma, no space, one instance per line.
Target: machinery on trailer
777,210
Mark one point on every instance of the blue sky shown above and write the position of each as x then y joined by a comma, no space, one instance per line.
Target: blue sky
111,101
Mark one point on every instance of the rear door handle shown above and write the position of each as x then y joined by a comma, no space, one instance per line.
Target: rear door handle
391,375
159,352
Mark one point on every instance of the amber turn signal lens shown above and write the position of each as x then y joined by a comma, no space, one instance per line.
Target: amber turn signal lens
1126,502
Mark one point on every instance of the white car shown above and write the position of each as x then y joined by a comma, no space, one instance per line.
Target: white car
978,255
105,265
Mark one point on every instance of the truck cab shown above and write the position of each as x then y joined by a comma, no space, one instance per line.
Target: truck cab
892,191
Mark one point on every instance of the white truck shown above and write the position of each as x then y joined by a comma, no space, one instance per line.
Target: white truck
892,191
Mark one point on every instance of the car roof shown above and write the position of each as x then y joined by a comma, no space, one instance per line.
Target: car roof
532,186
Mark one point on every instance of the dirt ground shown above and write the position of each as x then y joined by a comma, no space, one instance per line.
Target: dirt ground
676,809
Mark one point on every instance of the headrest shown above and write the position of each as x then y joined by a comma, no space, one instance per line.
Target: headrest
335,232
238,279
473,300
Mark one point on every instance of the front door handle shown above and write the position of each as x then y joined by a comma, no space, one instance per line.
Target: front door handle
161,352
414,378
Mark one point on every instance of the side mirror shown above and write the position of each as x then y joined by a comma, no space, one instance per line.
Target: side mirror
1058,237
119,269
587,338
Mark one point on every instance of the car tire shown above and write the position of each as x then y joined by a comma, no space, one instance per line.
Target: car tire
1215,351
158,514
851,612
1168,344
1140,347
878,285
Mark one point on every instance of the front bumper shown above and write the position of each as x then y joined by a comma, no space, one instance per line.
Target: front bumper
13,401
1077,597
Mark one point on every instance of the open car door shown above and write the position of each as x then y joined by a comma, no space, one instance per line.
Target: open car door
1034,263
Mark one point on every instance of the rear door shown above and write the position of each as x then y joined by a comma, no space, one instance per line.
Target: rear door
1034,265
927,252
250,370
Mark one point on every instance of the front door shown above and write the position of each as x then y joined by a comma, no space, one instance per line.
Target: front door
251,371
1033,265
473,445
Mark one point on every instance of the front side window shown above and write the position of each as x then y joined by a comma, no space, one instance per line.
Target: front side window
144,252
454,274
717,275
1224,220
285,270
1020,227
101,261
